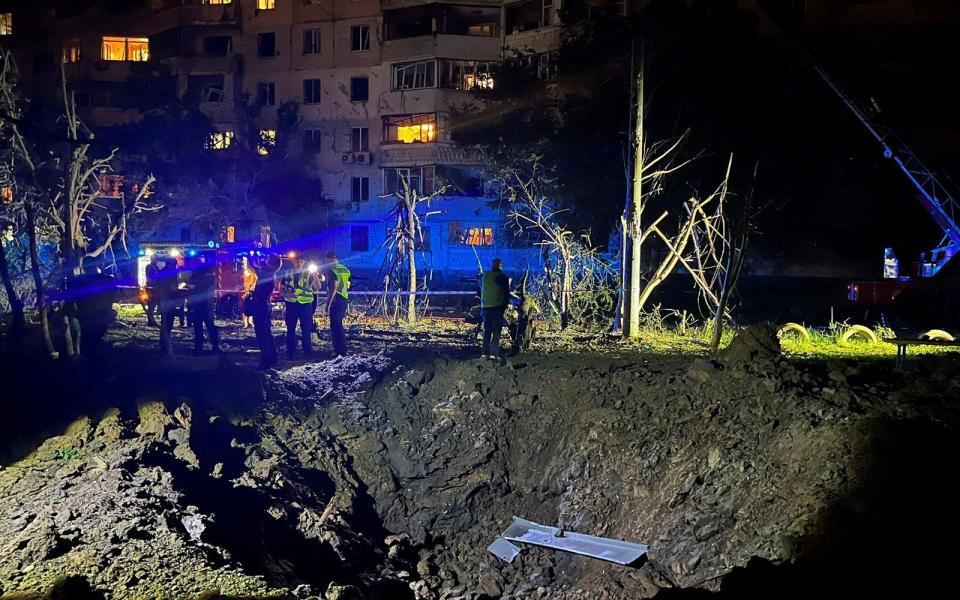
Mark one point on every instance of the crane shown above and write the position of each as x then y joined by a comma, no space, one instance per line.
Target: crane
933,194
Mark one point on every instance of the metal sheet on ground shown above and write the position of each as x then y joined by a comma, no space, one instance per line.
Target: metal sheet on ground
617,551
503,550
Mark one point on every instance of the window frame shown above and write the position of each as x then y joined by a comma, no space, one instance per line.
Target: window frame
364,38
316,88
220,140
6,23
263,36
126,41
359,189
270,98
359,139
424,70
315,35
266,4
266,142
366,95
312,140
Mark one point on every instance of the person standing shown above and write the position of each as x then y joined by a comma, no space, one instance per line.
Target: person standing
200,303
266,272
249,283
151,304
297,290
168,299
494,298
337,277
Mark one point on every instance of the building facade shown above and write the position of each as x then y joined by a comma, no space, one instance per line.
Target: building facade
380,84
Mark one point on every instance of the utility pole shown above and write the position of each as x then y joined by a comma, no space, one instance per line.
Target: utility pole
634,209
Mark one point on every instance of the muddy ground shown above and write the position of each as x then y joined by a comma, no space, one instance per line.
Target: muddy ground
386,474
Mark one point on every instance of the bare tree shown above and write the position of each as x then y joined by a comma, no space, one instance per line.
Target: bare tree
405,238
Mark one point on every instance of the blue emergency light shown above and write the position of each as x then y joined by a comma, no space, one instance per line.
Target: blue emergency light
210,244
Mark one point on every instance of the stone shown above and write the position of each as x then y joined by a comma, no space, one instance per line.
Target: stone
423,568
342,592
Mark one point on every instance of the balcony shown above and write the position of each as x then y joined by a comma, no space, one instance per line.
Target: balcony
426,100
194,12
465,47
544,39
419,155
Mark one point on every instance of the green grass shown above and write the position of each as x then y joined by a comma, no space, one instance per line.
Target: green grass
66,454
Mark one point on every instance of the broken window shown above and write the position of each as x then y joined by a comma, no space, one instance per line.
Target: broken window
6,23
417,178
267,45
359,189
471,234
268,141
360,139
205,88
410,129
311,91
468,20
266,4
414,75
311,41
462,181
71,51
217,45
132,49
360,38
408,22
359,89
466,74
311,140
219,140
359,236
266,93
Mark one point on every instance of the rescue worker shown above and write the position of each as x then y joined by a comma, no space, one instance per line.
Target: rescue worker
297,288
249,283
168,299
266,272
201,301
151,304
337,277
95,308
494,299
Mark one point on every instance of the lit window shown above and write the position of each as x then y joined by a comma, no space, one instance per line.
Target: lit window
268,140
71,52
6,23
311,41
471,234
125,49
311,91
359,189
465,75
266,4
418,128
6,195
220,140
217,2
360,139
360,38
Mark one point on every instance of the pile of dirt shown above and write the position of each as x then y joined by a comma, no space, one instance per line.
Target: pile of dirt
381,476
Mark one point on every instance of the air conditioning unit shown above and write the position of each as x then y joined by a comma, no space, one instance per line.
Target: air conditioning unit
346,158
363,158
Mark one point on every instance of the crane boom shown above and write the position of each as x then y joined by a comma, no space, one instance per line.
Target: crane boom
934,196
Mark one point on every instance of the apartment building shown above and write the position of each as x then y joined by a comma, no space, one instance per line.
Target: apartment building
380,84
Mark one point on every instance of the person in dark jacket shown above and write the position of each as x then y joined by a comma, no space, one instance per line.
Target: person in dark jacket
201,299
494,299
260,305
169,298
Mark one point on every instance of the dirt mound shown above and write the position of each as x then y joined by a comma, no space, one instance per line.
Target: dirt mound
752,344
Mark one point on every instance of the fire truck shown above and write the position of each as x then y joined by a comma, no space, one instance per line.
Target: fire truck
230,258
925,294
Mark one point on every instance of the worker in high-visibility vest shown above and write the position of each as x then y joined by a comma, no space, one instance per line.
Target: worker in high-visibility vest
298,286
337,277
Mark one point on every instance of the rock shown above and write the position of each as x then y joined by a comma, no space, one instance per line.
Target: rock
714,458
195,526
752,343
342,592
423,568
701,370
303,591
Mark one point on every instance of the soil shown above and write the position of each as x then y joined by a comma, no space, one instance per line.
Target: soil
386,474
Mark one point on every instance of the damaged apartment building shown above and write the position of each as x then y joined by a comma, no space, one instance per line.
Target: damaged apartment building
380,84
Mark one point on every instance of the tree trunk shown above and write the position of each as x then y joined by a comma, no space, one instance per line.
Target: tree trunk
42,307
411,263
16,304
632,248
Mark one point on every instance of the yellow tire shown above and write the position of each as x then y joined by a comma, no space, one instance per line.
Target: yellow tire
859,331
937,334
793,328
